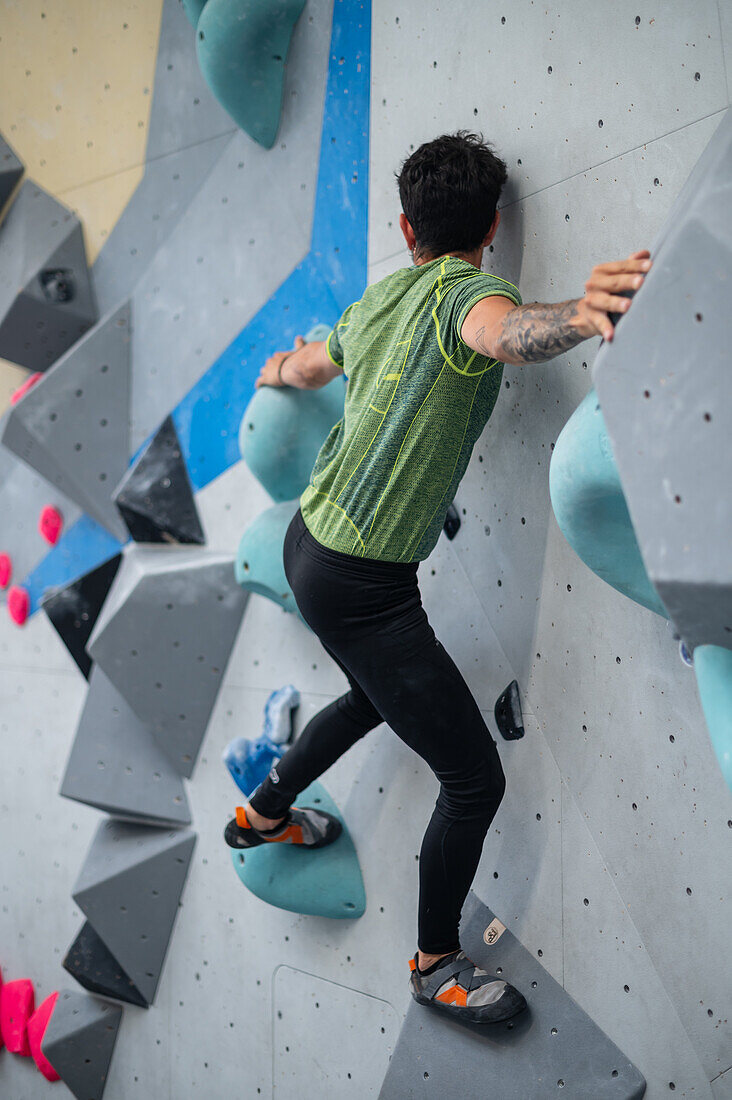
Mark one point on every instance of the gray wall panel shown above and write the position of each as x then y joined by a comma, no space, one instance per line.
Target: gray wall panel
639,80
608,971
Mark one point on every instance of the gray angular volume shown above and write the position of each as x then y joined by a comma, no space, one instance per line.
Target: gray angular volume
72,427
551,1046
164,637
11,169
664,389
116,765
46,296
79,1042
129,889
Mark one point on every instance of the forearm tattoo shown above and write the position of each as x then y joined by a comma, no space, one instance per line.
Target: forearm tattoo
533,333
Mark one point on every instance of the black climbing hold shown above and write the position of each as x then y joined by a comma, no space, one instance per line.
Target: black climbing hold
155,498
452,522
58,284
507,710
74,610
94,966
615,317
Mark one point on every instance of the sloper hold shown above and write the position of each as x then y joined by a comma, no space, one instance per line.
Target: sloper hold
116,765
73,610
128,889
155,498
242,48
79,1042
325,882
663,387
46,296
282,431
508,715
94,966
164,637
73,426
11,170
259,567
552,1046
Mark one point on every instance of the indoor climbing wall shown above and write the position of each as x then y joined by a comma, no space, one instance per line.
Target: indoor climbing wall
156,245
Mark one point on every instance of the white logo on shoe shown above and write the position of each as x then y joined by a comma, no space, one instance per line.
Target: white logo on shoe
494,931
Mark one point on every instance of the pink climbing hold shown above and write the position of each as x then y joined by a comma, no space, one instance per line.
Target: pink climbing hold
18,604
23,390
36,1030
16,1008
6,570
50,523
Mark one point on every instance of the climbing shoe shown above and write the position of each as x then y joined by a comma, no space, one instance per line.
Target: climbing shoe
457,986
307,827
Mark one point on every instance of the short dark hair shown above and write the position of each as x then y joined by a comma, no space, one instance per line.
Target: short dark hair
449,189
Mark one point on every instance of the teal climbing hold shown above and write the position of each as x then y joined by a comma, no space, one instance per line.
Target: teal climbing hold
193,9
713,668
282,431
326,882
259,566
242,49
590,506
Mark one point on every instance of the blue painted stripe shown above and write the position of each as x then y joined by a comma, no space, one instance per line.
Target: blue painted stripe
332,275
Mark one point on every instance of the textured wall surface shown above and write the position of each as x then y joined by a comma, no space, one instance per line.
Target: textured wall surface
609,859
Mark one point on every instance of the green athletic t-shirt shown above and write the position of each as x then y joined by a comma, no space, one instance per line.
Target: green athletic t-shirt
418,398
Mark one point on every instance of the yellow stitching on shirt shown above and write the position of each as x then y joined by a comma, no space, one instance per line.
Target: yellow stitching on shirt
457,456
327,351
396,460
319,493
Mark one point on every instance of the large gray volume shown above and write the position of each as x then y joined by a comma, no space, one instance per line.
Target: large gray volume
73,426
164,637
665,393
79,1042
116,765
129,889
46,296
11,169
551,1048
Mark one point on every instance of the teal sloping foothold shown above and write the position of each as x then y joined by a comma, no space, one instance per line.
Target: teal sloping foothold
193,9
259,566
590,507
325,882
713,668
282,431
242,48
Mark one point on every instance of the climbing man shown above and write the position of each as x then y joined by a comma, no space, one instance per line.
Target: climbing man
423,352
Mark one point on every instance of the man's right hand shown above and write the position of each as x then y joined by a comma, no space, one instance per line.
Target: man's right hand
499,329
603,294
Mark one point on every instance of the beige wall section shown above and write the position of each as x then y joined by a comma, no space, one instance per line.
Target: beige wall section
76,84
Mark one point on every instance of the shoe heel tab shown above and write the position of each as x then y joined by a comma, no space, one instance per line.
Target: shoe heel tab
241,818
412,964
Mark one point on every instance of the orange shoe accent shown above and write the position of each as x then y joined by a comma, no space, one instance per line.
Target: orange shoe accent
412,964
456,995
241,818
292,832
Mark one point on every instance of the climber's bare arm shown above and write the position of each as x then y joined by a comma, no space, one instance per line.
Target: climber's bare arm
306,367
534,333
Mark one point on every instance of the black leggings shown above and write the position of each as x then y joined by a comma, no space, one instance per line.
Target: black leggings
369,617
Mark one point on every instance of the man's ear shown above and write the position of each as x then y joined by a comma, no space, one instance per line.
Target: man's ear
493,229
407,232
